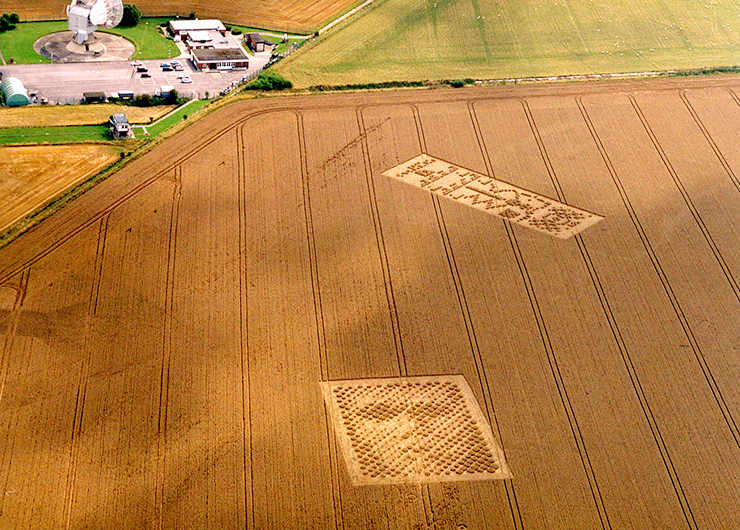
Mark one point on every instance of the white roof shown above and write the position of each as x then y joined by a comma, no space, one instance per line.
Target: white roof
196,25
200,36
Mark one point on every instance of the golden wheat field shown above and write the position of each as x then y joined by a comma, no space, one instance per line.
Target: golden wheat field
35,175
291,16
287,317
61,115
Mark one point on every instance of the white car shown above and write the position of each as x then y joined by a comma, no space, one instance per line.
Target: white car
186,79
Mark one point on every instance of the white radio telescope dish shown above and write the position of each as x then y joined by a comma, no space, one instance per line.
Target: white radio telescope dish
85,16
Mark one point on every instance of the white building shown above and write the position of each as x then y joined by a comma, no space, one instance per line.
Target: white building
184,27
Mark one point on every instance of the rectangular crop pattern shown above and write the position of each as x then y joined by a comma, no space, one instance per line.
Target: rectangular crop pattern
493,196
412,430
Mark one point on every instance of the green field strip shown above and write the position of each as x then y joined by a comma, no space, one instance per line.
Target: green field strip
56,135
176,116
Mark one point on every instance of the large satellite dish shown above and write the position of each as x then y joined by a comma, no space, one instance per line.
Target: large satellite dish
86,16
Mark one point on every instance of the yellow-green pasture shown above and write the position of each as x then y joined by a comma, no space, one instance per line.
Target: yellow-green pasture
395,40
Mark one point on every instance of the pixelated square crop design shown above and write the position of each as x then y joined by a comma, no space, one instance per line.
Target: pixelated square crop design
413,429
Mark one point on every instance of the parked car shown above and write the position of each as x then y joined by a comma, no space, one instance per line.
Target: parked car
164,65
142,69
136,63
186,79
167,68
145,74
178,68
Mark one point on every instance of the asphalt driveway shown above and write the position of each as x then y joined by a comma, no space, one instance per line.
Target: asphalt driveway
65,83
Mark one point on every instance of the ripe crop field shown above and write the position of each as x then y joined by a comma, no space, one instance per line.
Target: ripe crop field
62,115
297,17
397,40
33,176
286,300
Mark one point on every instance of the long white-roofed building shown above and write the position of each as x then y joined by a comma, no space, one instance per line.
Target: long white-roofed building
184,27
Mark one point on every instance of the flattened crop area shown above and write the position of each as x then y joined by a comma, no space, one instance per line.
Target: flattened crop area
253,326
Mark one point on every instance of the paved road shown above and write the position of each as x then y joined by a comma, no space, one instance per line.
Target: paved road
65,83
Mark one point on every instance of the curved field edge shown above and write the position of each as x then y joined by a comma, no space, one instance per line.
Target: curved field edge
254,243
412,40
166,127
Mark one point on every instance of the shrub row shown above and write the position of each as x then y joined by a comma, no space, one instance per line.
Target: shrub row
457,83
709,71
269,80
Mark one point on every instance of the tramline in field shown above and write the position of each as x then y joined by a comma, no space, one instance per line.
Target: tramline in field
254,315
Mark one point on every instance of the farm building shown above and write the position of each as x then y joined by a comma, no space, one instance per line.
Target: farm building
14,93
183,28
219,59
256,43
119,126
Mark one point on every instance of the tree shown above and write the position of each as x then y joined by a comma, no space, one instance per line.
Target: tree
171,98
8,21
143,100
131,16
269,80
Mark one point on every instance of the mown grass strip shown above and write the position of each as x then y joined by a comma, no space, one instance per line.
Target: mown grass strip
57,135
177,116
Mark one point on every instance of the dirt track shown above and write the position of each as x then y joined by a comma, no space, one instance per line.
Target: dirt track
165,335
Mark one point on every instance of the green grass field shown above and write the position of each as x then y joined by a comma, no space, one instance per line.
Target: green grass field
91,133
453,39
268,35
150,44
57,135
177,116
18,43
